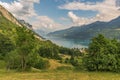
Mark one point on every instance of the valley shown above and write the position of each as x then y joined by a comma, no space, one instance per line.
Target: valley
34,46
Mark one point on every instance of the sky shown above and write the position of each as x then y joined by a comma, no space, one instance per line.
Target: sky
51,15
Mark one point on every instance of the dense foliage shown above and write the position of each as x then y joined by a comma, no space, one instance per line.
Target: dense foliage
49,51
104,55
6,45
73,52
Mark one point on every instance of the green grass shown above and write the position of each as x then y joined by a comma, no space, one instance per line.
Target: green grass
2,64
58,75
55,75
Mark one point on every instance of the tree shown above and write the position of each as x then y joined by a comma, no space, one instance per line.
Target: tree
6,45
42,64
13,60
24,44
103,55
49,52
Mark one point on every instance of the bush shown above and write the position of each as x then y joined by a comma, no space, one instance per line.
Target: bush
67,60
13,60
6,45
2,64
49,52
42,64
103,55
68,51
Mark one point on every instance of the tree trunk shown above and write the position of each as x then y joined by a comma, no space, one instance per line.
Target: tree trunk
8,66
23,63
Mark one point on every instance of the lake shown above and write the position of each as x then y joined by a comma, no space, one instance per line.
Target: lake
69,43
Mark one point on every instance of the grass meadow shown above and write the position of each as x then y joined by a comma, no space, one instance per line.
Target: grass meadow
61,74
58,75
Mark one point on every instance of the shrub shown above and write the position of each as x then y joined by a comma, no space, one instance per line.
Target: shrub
42,64
103,55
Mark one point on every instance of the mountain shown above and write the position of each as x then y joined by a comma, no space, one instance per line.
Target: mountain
110,29
8,24
8,15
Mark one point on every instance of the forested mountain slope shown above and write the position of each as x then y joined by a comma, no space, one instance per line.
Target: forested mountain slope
109,29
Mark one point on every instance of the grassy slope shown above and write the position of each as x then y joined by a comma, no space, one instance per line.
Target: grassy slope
7,28
54,64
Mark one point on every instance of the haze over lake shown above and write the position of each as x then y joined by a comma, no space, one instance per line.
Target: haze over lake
69,43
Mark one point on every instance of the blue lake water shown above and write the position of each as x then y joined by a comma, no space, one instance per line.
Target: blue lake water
69,43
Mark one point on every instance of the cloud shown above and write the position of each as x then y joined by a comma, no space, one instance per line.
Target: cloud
80,20
75,19
46,23
21,9
24,9
107,10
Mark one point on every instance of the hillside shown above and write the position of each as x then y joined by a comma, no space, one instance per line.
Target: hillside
8,15
8,21
21,48
86,32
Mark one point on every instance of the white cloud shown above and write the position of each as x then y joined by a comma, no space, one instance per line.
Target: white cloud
107,10
24,9
46,23
79,20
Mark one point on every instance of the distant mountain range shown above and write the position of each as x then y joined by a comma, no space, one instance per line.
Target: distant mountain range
86,32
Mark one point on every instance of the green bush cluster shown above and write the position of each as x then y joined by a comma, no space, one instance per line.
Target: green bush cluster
104,55
49,52
73,52
42,64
